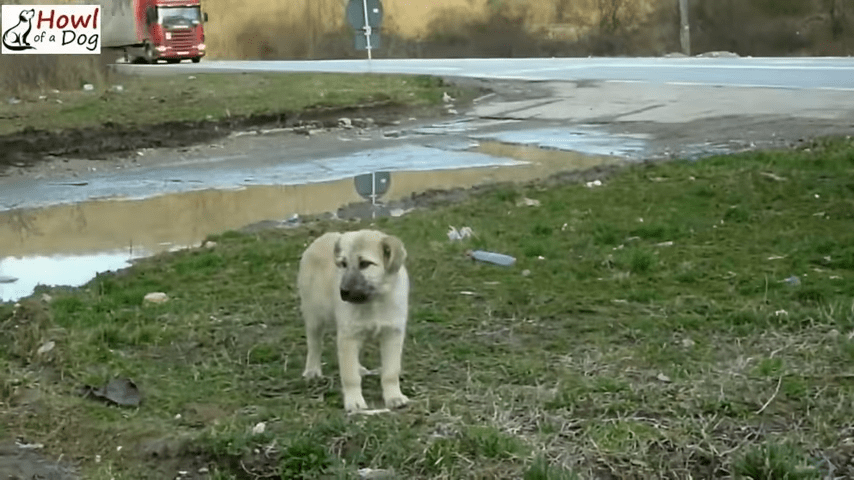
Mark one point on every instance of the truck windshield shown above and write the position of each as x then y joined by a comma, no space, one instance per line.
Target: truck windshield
175,16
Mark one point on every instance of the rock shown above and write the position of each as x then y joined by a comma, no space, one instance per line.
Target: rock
345,122
156,297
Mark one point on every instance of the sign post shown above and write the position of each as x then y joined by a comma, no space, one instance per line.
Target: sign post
685,27
367,16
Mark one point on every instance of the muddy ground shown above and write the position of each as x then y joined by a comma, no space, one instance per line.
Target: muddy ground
44,154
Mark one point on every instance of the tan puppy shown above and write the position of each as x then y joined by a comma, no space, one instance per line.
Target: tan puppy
357,282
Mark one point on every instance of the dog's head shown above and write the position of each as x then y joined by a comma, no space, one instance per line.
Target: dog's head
368,262
27,15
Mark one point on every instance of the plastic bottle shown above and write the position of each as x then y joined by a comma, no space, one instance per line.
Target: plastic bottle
492,257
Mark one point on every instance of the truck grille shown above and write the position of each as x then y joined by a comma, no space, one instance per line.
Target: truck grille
182,39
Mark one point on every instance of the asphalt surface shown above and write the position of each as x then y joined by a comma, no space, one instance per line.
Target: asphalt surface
793,73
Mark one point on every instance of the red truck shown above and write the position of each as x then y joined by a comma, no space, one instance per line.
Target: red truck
153,30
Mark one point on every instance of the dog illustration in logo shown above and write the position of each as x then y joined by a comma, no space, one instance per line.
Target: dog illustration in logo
16,37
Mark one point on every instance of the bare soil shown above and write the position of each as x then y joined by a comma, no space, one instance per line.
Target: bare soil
29,148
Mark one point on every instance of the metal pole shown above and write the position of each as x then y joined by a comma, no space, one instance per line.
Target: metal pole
373,184
685,30
367,28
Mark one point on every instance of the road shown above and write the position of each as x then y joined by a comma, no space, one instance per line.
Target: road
793,73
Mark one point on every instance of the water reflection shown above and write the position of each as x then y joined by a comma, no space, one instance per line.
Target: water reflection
67,270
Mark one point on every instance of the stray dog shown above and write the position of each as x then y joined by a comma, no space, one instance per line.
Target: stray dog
357,282
16,37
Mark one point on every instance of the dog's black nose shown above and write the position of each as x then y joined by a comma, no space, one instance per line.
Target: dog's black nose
345,294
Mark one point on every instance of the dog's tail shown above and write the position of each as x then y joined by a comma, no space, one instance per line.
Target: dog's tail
18,48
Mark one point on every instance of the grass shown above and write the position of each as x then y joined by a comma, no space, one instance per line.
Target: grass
159,99
618,355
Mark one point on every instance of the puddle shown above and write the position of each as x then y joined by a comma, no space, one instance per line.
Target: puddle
249,171
584,140
66,270
67,244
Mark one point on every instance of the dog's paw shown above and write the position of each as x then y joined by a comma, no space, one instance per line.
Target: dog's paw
396,401
354,403
311,373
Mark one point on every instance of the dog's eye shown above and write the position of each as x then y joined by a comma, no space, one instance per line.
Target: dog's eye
343,263
363,264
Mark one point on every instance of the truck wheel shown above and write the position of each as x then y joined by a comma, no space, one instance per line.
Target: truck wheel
197,59
150,56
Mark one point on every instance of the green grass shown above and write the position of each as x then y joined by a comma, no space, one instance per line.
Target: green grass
620,355
189,98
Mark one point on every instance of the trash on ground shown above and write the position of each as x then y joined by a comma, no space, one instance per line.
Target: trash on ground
776,257
372,412
399,212
664,244
528,202
455,235
772,176
46,347
292,221
119,391
447,98
374,474
594,183
259,428
155,297
663,378
792,281
492,257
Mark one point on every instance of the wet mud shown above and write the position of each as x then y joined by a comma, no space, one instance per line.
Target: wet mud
26,462
29,147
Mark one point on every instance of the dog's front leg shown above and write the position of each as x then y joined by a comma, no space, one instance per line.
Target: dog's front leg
351,378
391,351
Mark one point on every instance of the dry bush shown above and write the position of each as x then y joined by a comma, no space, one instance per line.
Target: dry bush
22,73
772,28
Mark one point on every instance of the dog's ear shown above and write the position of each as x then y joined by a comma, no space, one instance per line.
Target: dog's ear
336,250
393,253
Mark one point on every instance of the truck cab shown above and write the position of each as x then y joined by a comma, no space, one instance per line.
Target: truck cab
173,30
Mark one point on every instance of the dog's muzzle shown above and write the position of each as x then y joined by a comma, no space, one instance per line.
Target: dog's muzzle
354,288
353,296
